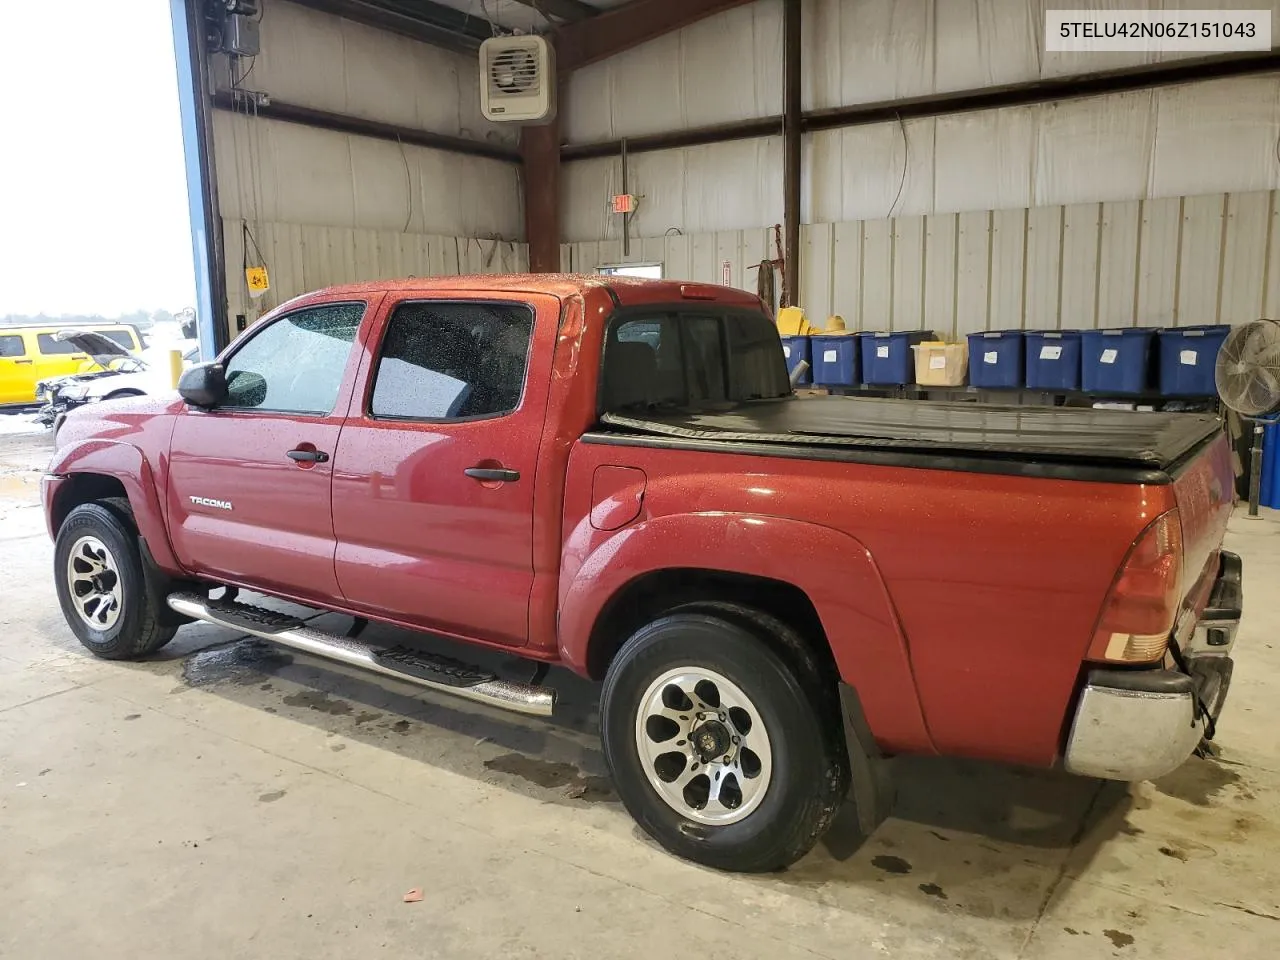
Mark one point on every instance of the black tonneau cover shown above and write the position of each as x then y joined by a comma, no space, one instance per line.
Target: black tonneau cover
1154,441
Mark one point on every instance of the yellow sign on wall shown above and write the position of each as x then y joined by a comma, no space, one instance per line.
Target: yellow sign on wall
256,278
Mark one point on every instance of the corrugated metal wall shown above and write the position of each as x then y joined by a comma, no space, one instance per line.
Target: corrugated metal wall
328,208
1176,261
1153,207
1169,142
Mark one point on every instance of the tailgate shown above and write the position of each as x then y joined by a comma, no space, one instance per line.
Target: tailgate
1205,491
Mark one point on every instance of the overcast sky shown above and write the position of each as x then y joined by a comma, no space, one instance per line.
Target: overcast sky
93,197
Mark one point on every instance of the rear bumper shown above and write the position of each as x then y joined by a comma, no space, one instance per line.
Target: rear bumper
1142,724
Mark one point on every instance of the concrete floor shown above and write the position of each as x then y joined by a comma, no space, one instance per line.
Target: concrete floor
225,800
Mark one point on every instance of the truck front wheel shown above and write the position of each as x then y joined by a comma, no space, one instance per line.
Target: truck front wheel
718,748
97,567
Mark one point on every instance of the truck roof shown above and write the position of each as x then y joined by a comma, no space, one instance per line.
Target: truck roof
629,291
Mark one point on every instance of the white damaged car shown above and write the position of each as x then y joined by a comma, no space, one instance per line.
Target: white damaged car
112,372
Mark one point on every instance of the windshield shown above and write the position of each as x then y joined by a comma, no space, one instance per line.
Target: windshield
691,357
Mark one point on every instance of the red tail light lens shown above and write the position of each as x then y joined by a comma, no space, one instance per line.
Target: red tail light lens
1142,606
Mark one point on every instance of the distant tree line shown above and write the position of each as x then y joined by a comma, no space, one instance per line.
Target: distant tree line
142,319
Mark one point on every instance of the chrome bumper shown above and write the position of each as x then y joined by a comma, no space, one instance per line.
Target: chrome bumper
1142,724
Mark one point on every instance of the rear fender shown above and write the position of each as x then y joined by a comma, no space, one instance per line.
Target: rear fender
124,462
840,578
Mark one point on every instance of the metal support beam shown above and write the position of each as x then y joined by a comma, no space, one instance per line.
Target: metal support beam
540,148
944,104
627,26
570,11
791,174
191,58
422,20
242,102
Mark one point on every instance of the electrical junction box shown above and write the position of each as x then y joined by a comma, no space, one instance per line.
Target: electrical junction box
240,36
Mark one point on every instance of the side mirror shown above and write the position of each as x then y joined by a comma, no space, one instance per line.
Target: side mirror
204,385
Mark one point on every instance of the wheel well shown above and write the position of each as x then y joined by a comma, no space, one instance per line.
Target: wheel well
650,596
84,488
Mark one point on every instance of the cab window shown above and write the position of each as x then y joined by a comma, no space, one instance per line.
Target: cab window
452,361
296,364
11,346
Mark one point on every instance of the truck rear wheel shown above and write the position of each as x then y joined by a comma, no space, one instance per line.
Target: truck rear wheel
97,567
718,748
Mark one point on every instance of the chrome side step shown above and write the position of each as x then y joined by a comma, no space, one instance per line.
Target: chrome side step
426,670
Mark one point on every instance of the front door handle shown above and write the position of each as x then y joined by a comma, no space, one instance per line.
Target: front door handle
492,474
304,456
22,361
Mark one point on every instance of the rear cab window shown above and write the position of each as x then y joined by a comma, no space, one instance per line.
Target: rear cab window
673,358
11,346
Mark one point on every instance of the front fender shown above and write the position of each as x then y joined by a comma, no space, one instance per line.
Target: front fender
840,578
125,462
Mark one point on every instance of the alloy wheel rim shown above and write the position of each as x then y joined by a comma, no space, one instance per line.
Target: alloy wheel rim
703,746
93,581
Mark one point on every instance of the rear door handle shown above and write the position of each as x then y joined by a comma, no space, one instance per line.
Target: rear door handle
492,474
314,456
22,361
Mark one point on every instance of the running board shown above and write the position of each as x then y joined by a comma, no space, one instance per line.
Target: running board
424,669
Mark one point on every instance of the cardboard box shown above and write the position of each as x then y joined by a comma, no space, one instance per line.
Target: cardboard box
941,364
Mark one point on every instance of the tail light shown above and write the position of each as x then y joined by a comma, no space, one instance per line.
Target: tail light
1141,608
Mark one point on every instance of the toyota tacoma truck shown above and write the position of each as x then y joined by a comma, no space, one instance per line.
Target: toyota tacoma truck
778,593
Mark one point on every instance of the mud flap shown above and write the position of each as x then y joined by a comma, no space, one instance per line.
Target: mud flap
872,792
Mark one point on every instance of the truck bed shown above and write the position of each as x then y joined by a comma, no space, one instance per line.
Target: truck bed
1059,441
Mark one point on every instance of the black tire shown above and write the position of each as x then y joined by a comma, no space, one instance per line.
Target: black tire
809,768
137,629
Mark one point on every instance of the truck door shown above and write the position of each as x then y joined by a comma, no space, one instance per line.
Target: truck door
17,370
434,474
249,481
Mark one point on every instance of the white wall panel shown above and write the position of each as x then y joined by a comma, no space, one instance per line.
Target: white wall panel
877,274
973,272
1094,149
1045,227
724,68
1081,231
283,172
1117,264
984,160
1008,269
1208,134
941,232
846,270
1201,257
1242,267
1158,258
907,308
321,61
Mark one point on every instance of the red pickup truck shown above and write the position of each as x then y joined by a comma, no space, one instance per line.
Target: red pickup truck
778,592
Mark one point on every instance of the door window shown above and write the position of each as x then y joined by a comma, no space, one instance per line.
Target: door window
51,347
295,365
452,361
11,346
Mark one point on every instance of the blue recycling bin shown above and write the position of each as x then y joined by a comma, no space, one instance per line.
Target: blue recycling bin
996,360
1052,359
1116,361
796,349
887,358
835,360
1187,359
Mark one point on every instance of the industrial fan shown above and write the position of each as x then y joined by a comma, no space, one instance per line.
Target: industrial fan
1247,375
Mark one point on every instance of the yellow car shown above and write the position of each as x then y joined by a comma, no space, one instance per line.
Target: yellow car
31,354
